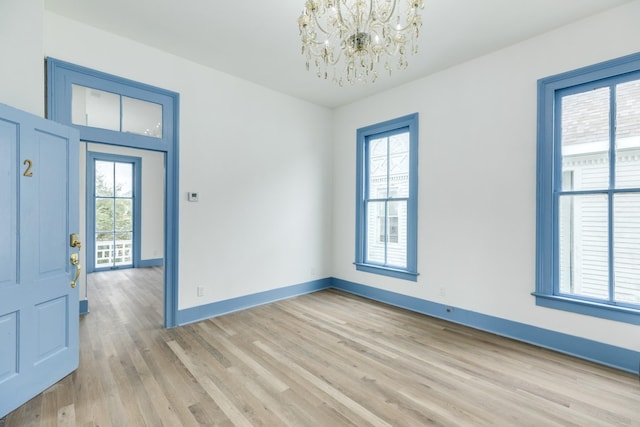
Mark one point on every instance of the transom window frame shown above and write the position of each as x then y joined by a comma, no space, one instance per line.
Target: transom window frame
549,170
408,123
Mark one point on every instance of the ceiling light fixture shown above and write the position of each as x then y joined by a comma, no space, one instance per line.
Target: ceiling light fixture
356,40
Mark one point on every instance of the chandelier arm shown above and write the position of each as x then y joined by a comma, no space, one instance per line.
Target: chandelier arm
339,10
410,22
393,7
318,25
317,48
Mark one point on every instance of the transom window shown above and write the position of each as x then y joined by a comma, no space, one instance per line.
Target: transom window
589,191
111,111
387,199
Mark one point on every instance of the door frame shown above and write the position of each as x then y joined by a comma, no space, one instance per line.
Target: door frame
91,157
60,76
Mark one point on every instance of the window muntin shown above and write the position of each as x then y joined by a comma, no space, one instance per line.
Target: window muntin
588,250
387,185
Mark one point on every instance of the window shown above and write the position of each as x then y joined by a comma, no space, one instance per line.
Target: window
387,181
112,111
588,218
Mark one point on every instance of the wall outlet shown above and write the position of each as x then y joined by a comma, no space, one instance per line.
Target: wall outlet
443,292
200,291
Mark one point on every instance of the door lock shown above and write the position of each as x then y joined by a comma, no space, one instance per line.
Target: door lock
74,241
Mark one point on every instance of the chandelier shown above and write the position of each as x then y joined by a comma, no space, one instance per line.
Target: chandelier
356,40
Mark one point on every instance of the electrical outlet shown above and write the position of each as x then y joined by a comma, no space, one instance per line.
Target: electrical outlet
200,291
443,292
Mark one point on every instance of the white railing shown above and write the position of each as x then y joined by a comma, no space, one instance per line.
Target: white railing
112,253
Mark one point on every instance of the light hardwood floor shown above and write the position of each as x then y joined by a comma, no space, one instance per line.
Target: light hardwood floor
324,359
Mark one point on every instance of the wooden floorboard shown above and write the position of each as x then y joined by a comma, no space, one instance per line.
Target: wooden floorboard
323,359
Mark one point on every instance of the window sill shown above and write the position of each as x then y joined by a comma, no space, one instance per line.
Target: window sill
604,311
387,271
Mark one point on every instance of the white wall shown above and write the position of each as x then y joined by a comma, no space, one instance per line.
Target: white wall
22,63
259,159
477,175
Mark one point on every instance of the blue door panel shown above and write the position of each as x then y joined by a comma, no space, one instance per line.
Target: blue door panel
9,349
52,327
8,206
53,234
38,308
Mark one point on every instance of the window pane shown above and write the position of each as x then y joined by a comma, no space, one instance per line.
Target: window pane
124,214
585,138
95,108
141,117
583,241
375,251
104,214
399,164
626,248
104,179
628,135
124,179
377,168
397,234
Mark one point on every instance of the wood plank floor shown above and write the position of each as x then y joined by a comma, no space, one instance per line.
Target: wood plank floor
324,359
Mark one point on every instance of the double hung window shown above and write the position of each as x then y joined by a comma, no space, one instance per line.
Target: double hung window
588,248
387,198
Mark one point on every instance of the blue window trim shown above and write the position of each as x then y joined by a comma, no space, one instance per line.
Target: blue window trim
547,272
91,212
409,122
60,76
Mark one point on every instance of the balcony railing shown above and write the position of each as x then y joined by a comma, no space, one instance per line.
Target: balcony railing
113,254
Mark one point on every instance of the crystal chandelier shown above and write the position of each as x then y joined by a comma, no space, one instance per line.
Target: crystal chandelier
356,40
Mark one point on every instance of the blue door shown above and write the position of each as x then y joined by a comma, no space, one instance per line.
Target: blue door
38,259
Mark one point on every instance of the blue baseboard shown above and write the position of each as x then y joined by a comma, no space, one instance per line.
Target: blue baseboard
207,311
609,355
151,262
84,306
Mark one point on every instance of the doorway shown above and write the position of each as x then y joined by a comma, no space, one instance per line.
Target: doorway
118,113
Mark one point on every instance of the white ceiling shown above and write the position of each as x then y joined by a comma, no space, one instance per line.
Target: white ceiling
258,40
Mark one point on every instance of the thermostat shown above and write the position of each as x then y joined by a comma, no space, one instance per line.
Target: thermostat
192,197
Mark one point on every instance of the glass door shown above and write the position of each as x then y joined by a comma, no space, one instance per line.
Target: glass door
114,213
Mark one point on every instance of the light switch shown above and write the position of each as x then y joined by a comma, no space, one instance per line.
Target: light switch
192,197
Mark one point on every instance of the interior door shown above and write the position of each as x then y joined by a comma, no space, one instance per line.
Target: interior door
39,311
